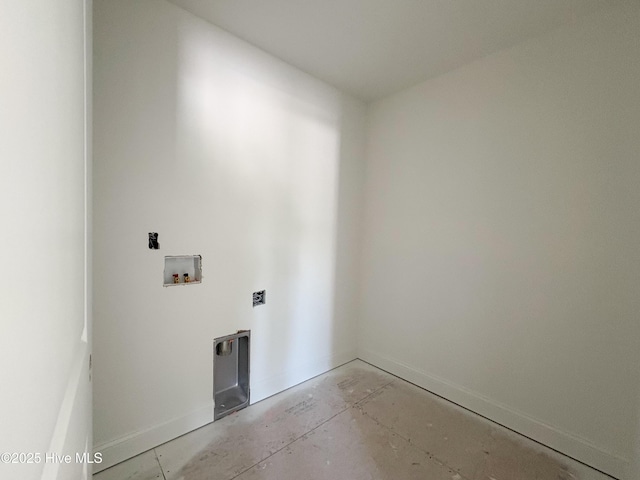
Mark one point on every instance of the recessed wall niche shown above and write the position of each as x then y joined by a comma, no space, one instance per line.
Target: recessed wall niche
182,270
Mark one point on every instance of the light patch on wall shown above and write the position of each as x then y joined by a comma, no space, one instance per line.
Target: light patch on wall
269,160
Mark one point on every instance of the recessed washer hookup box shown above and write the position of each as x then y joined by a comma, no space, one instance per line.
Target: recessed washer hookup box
231,373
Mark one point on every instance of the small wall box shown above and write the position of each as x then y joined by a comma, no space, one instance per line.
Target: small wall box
179,265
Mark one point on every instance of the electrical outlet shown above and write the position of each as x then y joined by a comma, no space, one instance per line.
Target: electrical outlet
259,298
153,241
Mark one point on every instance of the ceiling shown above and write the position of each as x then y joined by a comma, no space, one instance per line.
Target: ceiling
372,48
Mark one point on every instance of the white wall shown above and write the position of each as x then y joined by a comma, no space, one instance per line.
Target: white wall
228,153
501,258
634,465
44,347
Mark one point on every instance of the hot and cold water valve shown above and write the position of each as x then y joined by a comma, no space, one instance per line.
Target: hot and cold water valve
182,270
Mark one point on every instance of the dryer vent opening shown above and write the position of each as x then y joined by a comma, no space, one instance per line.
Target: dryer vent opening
231,373
224,348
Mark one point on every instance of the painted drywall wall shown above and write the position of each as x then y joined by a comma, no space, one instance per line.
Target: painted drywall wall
44,346
633,470
501,237
231,154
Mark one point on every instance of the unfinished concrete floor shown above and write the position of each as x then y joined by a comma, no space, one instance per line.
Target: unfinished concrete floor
354,422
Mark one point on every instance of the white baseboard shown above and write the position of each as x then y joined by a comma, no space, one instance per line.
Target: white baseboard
122,449
136,443
261,389
564,442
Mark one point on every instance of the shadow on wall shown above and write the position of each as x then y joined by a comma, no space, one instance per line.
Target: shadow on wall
230,154
263,161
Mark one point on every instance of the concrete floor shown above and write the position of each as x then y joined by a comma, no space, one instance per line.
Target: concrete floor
354,422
